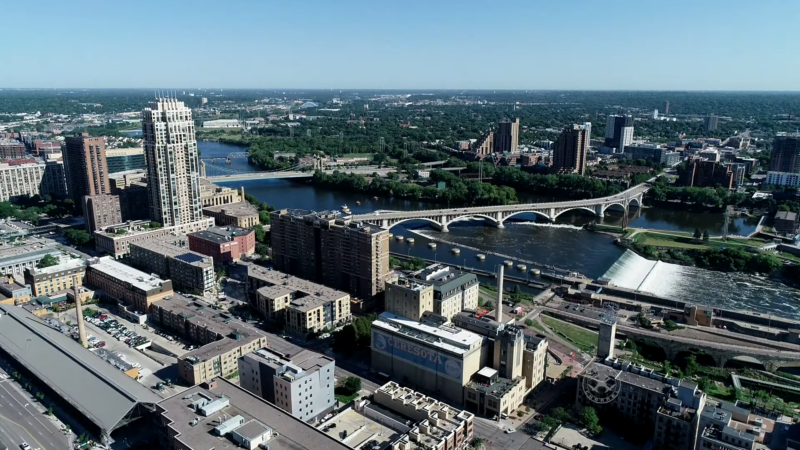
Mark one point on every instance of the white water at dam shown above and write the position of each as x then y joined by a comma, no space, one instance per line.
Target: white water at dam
705,287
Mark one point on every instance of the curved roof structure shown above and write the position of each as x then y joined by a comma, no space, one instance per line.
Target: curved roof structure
105,395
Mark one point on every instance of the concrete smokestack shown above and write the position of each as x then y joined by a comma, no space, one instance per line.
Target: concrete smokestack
242,189
79,313
500,295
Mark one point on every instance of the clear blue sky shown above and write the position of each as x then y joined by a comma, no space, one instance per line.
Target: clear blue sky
403,44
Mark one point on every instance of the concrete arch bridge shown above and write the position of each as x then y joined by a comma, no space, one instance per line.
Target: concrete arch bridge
496,215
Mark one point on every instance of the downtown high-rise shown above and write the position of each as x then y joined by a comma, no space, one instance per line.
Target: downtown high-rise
85,164
571,147
785,153
173,166
619,132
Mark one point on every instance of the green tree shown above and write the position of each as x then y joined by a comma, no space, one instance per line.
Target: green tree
670,325
692,367
667,367
590,420
703,383
260,232
154,224
47,261
528,322
561,414
352,384
697,234
263,217
77,237
705,236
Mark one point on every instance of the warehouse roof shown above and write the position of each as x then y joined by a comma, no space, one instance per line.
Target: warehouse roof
99,391
195,431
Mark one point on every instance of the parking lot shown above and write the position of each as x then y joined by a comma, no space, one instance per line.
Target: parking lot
156,370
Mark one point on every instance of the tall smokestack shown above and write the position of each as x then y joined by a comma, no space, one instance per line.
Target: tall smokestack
79,312
242,188
500,295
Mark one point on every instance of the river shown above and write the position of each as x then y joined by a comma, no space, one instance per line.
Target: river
563,244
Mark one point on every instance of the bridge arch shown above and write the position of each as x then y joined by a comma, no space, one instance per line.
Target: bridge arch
435,223
745,361
471,216
635,200
620,204
538,213
584,208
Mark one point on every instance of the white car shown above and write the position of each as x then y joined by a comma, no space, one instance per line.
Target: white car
25,446
510,430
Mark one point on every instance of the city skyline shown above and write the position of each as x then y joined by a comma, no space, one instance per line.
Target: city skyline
414,45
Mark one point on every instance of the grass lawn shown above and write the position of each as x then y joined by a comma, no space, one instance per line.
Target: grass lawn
686,240
345,399
584,339
660,241
539,327
720,392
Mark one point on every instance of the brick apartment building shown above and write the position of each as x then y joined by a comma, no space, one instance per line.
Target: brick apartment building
223,244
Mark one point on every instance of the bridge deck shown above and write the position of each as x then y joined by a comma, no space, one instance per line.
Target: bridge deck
621,197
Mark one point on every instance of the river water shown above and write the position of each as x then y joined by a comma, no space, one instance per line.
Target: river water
563,244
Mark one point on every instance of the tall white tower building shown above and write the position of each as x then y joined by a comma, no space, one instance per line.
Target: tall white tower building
173,166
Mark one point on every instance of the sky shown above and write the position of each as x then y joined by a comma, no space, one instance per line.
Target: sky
402,44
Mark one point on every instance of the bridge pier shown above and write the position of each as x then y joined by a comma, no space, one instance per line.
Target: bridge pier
598,210
443,221
552,216
385,223
498,216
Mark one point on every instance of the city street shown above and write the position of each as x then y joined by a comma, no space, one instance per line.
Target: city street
22,421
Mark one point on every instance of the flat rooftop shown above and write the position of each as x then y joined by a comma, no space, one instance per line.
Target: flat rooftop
221,323
101,392
306,361
316,294
446,337
361,428
64,265
233,209
409,283
333,216
292,433
125,273
167,248
600,371
221,234
24,253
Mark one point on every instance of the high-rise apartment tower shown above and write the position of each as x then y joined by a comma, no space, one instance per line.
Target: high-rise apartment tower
569,154
619,132
329,248
173,166
507,137
85,164
785,154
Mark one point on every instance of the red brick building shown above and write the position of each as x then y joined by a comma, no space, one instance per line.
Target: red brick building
223,244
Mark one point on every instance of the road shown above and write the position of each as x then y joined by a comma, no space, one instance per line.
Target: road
22,421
